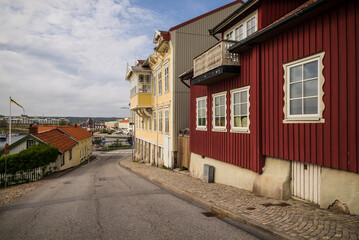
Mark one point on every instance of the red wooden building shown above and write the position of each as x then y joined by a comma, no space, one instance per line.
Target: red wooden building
275,104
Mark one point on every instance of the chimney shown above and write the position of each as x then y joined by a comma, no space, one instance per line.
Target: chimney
33,129
75,125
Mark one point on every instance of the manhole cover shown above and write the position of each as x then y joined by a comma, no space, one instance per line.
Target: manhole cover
67,182
102,179
282,204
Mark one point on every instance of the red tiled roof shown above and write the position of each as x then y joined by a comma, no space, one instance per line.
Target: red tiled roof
125,121
77,132
57,138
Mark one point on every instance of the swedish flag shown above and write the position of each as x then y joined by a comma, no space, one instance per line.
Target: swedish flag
12,101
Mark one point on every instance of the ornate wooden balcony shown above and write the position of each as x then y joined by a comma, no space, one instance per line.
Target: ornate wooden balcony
215,64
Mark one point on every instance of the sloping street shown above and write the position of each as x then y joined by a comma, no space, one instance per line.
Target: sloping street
103,200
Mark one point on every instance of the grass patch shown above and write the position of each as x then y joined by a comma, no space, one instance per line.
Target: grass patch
164,167
183,169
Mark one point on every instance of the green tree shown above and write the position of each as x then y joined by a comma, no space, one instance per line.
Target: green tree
62,122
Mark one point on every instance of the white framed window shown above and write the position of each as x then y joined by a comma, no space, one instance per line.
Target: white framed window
30,143
167,120
154,83
144,83
240,110
159,79
166,78
160,120
219,110
239,33
201,113
303,86
251,26
154,114
229,35
244,28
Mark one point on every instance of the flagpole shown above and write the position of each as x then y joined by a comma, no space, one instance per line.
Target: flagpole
10,123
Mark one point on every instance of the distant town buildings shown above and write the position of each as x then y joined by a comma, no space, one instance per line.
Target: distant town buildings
24,119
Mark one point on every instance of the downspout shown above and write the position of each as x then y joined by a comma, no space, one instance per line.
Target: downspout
172,126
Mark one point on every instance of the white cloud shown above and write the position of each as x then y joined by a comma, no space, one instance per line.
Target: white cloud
69,57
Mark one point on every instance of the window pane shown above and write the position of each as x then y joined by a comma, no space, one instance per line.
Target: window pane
216,111
236,98
216,122
222,100
311,106
295,90
222,111
244,97
311,70
244,121
236,109
295,74
296,106
216,101
244,109
237,121
223,121
311,88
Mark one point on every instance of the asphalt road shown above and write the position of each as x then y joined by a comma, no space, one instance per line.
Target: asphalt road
102,200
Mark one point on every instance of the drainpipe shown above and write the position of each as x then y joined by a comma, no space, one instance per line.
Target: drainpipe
172,107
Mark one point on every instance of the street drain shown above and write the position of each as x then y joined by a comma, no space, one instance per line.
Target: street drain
102,179
209,214
250,208
282,204
67,182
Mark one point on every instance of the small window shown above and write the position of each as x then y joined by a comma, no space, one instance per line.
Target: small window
160,121
229,36
240,110
166,79
142,124
30,143
201,113
144,83
303,84
219,112
239,33
70,154
159,77
154,120
63,159
251,26
167,120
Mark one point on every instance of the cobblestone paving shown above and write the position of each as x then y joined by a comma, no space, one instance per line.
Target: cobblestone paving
289,219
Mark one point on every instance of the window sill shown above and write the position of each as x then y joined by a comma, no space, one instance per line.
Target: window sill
219,129
240,131
201,129
304,120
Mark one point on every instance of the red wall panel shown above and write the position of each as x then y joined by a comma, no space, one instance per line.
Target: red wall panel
333,143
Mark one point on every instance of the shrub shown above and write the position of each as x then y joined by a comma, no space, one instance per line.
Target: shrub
33,157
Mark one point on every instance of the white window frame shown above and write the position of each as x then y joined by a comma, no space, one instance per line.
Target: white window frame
154,114
242,23
167,78
240,129
201,128
144,83
214,127
167,120
237,34
304,118
159,80
160,121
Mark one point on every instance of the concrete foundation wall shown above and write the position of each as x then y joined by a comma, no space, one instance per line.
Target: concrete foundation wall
224,173
342,186
275,181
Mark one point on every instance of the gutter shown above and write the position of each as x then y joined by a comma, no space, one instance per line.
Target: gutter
247,41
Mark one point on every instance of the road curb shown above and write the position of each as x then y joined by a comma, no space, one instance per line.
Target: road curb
239,218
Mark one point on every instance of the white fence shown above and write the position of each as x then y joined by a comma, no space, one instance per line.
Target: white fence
27,176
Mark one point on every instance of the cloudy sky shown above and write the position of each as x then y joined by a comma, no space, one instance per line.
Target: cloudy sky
68,57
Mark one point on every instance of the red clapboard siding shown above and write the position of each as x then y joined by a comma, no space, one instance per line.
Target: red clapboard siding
333,143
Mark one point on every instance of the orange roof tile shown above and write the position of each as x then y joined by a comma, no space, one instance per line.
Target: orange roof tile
57,139
125,121
75,131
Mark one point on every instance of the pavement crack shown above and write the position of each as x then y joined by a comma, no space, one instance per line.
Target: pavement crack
98,222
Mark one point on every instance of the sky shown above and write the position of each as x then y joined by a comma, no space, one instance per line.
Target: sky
69,58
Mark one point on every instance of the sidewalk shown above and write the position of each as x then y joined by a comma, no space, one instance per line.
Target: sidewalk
289,219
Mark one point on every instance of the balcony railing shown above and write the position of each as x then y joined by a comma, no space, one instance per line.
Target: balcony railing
216,56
